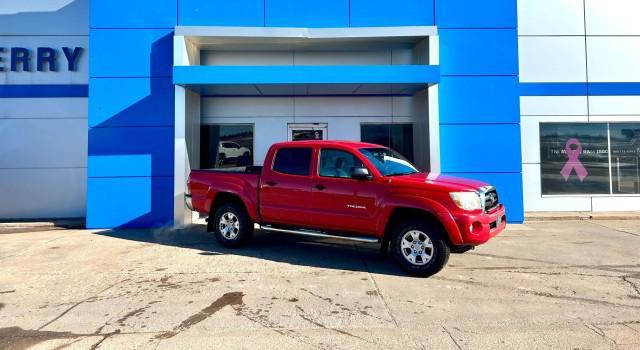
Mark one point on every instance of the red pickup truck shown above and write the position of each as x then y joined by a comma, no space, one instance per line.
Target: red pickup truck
350,190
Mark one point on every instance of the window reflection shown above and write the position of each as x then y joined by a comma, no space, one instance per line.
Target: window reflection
398,137
574,158
625,158
226,146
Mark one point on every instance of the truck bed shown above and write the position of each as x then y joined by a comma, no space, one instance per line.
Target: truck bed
207,184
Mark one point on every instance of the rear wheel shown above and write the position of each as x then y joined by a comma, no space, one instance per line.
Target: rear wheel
231,225
419,247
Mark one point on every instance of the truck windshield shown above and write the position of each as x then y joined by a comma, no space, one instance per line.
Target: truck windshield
388,162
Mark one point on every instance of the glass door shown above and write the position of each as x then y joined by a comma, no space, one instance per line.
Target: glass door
308,131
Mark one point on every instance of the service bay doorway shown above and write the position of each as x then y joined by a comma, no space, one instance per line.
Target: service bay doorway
301,132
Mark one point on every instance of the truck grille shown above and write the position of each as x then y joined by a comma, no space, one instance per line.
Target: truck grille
490,199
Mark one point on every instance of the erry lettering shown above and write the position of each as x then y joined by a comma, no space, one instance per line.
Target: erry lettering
20,59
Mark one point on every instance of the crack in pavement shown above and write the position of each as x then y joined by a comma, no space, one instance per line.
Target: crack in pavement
452,338
277,328
597,330
91,298
538,293
377,289
632,284
228,299
104,337
305,316
614,229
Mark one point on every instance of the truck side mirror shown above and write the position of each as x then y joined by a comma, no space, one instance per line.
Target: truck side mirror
360,173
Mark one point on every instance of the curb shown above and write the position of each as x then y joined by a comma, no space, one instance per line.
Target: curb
69,223
580,216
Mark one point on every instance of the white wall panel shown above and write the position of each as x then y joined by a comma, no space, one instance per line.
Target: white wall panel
247,107
384,106
533,200
43,141
552,59
246,58
340,128
44,17
42,193
550,17
61,76
530,134
40,143
616,203
614,105
612,17
614,59
553,105
314,58
75,107
307,57
403,106
343,106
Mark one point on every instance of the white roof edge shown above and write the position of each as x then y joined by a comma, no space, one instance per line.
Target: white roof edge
309,33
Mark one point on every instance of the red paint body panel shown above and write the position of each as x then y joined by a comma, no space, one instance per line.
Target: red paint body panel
346,205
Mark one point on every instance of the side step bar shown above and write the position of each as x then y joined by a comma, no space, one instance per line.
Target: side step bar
319,234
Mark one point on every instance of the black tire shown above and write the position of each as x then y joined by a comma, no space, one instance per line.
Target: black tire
234,236
459,249
427,232
222,159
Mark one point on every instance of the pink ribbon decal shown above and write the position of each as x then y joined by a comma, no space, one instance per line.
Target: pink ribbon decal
574,162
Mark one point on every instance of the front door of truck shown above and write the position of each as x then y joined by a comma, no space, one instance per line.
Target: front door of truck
341,203
285,187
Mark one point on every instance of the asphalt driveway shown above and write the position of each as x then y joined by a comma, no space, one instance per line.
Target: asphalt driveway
562,284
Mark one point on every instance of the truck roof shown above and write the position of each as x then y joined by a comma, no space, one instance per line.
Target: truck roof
329,143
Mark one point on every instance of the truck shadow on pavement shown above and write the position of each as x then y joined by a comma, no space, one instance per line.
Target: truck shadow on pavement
283,248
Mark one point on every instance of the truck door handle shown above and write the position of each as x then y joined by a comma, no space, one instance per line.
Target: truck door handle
271,183
319,187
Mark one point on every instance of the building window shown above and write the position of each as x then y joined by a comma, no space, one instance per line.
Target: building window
293,161
590,158
398,137
625,158
226,146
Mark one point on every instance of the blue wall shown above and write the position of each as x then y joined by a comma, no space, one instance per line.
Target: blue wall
479,95
131,114
131,104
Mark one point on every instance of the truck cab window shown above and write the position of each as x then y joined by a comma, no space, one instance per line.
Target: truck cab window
334,163
293,161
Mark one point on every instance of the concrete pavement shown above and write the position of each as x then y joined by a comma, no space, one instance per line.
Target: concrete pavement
560,284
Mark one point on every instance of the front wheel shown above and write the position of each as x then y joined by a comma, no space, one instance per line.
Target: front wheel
419,247
231,225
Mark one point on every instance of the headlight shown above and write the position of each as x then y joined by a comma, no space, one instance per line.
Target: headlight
466,200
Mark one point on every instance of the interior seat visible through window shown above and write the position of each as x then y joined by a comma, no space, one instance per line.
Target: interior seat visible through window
335,163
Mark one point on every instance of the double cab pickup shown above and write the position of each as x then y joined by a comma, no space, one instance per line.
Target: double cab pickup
350,190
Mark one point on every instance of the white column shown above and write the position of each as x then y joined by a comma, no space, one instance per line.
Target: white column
434,114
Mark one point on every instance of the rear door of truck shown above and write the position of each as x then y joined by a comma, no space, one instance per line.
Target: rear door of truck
285,186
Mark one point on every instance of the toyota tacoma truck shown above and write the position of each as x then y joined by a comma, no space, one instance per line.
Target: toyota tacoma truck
350,190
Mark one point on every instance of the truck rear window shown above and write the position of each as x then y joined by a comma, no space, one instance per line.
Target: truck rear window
293,161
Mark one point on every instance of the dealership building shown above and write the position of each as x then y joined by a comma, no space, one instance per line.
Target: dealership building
106,105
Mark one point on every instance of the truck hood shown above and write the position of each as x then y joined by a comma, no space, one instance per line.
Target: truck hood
440,182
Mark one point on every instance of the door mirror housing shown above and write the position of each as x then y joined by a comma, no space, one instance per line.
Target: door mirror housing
360,173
